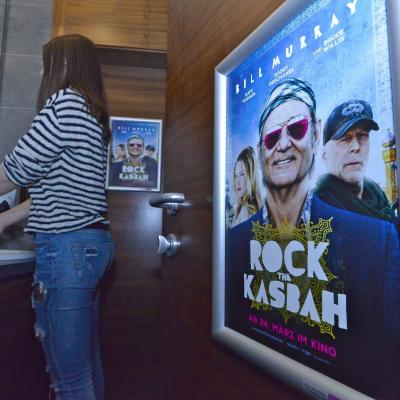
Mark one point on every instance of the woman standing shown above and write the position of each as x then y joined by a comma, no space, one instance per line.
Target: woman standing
247,193
62,159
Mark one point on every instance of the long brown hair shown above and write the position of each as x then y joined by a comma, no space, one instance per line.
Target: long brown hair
71,61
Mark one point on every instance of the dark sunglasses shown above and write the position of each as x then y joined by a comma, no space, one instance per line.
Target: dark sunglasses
296,127
139,145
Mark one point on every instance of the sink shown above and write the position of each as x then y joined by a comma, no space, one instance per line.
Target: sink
16,255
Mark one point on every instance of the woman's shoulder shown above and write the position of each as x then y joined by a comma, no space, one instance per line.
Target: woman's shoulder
65,96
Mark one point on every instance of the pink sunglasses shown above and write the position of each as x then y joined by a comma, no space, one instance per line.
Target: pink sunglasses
296,127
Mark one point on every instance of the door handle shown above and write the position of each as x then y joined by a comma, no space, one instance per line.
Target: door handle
168,245
170,201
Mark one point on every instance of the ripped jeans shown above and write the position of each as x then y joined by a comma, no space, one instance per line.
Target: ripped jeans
66,298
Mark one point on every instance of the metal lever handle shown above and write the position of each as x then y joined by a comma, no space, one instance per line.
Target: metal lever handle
168,245
169,201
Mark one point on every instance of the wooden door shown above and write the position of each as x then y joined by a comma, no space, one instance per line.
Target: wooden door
193,365
135,87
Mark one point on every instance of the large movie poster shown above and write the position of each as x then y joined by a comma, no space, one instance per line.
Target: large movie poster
312,246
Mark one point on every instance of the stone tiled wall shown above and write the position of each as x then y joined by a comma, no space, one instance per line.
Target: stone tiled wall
27,26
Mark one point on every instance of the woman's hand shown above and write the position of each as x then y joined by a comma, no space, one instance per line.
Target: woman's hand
14,215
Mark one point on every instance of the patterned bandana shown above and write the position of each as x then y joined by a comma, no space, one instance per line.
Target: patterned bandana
289,89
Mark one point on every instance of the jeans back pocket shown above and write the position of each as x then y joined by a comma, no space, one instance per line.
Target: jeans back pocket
90,262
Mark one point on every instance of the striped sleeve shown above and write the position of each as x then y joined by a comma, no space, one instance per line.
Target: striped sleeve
36,151
63,160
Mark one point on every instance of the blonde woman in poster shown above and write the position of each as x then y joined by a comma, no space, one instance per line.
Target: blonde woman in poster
245,185
355,276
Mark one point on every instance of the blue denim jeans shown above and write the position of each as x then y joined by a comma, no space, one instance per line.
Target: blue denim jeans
65,297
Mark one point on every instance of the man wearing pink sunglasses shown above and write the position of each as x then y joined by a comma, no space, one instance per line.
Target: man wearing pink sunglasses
363,254
289,137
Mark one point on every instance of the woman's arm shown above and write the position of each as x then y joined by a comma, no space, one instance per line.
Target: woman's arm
5,184
14,215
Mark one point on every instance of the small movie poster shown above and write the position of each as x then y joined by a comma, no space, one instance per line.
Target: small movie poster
312,266
134,161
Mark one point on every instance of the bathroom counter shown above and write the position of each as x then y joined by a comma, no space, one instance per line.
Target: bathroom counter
16,262
17,253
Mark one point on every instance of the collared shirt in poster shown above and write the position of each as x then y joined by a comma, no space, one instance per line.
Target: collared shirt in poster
305,213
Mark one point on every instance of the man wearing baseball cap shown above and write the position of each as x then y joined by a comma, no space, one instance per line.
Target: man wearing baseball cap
346,151
149,153
363,252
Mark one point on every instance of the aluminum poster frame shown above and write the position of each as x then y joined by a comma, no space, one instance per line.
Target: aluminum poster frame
303,378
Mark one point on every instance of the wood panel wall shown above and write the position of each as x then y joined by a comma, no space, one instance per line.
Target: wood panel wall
139,24
135,82
193,365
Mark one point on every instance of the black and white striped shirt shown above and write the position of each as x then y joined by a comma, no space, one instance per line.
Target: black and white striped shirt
62,158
